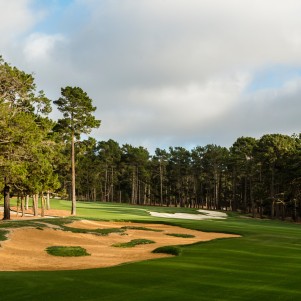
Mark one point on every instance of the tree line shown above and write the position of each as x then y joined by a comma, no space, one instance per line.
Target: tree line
39,156
256,176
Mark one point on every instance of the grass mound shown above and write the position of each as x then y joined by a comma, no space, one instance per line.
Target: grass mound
133,243
171,250
180,235
67,251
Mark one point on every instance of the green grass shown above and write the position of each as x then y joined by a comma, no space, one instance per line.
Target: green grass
3,234
67,251
172,250
134,243
18,224
180,235
99,232
264,264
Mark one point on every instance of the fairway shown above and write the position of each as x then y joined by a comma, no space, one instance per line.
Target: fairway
263,264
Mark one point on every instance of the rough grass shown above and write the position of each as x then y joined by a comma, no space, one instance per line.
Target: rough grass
133,243
172,250
67,251
99,232
3,234
181,235
20,224
140,228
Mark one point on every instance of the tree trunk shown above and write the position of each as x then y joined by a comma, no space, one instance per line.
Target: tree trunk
134,186
22,205
112,185
252,200
26,202
42,205
233,206
35,205
161,184
48,201
18,203
6,214
106,184
73,195
245,196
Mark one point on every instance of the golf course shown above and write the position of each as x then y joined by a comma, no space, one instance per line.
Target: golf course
252,259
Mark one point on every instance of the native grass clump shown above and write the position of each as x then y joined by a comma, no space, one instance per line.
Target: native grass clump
180,235
133,243
67,251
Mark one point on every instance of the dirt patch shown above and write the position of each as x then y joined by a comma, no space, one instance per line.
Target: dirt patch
25,249
17,214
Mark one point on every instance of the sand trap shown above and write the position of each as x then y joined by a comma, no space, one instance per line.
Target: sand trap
206,214
25,249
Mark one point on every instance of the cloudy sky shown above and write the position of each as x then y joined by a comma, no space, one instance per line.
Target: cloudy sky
165,72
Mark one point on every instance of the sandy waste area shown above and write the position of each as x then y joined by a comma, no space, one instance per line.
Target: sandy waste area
25,248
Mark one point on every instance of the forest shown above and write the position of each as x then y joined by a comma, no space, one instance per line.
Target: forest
42,158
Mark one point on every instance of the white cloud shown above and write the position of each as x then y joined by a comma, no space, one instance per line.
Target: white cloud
170,71
40,46
16,19
15,16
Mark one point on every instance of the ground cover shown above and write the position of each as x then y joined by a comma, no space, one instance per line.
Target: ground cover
68,251
180,235
263,264
133,243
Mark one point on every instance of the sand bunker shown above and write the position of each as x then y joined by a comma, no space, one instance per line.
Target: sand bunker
25,248
205,215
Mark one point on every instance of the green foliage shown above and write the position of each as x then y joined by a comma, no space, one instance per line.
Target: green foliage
67,251
18,90
77,110
180,235
134,243
26,149
171,250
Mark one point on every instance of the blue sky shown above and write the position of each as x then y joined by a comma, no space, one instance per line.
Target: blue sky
166,72
56,12
273,77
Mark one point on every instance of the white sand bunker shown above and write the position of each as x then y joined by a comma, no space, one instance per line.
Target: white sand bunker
25,248
205,215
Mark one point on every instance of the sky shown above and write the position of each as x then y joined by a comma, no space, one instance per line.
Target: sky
165,72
